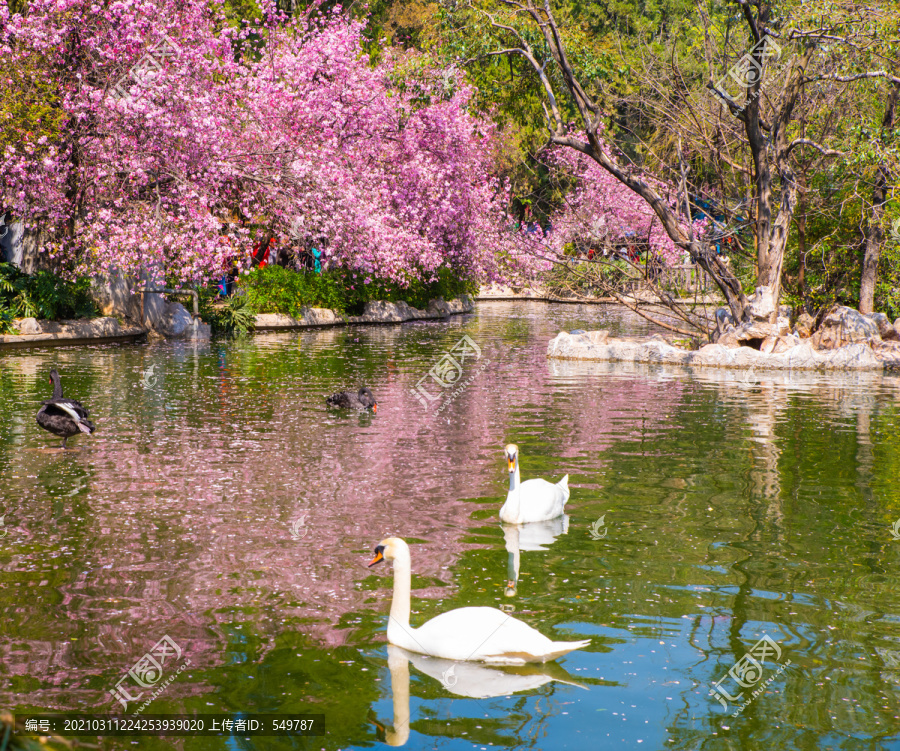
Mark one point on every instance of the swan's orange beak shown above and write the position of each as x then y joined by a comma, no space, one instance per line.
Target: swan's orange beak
511,463
375,408
379,556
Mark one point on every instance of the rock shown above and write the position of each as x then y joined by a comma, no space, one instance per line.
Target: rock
381,311
768,344
174,322
169,318
783,325
89,328
565,346
843,326
761,305
751,334
804,327
886,329
29,326
787,353
729,338
888,352
318,317
599,337
784,343
897,326
573,332
437,306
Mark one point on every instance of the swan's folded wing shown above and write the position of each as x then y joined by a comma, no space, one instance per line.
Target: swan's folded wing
489,635
542,500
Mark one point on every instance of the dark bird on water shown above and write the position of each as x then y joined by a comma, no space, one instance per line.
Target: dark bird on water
364,399
63,417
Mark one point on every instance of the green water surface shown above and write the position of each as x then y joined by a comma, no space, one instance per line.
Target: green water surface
219,504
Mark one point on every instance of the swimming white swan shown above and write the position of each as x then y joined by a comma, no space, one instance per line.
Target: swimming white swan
533,500
484,634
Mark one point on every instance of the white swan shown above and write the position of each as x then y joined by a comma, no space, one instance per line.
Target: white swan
484,634
533,500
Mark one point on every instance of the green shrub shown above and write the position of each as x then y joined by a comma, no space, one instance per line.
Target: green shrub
6,319
274,289
238,316
43,295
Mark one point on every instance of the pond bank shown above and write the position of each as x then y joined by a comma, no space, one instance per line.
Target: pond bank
35,333
377,311
109,330
499,293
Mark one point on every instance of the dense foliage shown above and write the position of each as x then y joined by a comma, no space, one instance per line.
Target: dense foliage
41,295
274,289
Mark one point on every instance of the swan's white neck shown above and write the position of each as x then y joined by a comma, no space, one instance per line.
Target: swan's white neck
400,601
512,499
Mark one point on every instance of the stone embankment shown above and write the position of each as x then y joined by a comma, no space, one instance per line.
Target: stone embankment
35,333
843,340
177,323
374,312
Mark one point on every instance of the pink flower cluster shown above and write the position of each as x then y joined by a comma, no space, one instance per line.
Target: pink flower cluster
599,211
283,126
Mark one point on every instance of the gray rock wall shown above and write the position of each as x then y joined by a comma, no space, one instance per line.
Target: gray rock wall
168,318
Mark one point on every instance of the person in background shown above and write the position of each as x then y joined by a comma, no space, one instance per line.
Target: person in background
261,251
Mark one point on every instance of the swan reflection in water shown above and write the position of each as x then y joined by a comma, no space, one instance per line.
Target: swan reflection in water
472,680
531,536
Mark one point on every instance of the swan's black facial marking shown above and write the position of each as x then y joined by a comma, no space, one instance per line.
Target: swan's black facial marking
379,556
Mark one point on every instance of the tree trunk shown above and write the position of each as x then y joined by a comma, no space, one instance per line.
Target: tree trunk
801,251
874,232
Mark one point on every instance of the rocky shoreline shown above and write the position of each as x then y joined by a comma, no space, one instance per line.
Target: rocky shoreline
37,333
843,340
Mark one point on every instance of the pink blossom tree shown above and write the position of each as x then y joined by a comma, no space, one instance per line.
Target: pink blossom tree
598,211
174,140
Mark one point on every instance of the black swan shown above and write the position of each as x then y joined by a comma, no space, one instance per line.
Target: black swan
347,399
63,417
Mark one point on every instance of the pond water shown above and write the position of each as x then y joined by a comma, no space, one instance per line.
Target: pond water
220,505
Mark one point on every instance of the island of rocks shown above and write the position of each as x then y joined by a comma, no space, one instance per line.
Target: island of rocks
844,339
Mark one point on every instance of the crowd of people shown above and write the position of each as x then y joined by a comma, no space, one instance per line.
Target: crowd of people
305,257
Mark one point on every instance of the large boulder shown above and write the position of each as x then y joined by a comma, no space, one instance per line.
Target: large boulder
29,326
753,334
169,318
843,326
886,329
761,305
